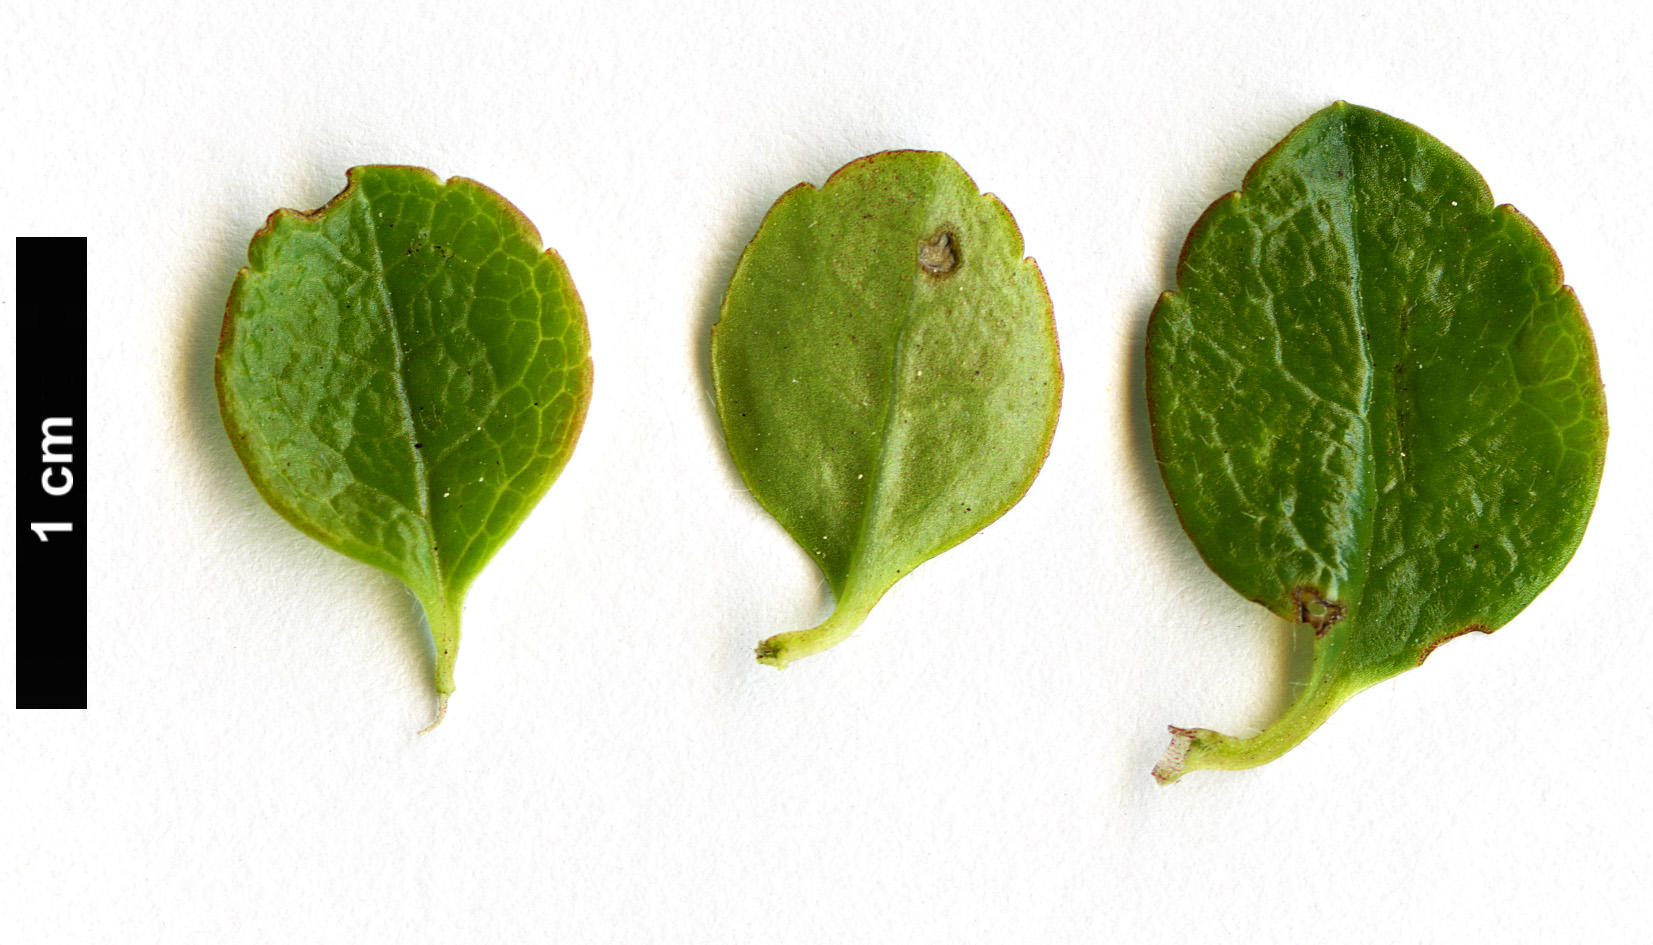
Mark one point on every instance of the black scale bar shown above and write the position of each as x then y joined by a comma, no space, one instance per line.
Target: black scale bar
51,472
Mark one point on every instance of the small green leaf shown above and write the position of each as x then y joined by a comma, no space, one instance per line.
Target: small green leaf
403,373
1376,408
886,372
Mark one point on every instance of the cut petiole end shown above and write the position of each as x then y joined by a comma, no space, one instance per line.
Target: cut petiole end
771,652
1174,762
441,713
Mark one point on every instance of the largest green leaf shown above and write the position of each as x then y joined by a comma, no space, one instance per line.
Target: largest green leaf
403,373
886,373
1376,407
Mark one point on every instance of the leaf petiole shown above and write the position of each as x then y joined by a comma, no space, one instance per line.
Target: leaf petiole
851,610
442,613
1201,749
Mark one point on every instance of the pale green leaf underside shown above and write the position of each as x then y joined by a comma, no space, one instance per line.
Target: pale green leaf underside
404,373
886,371
1376,407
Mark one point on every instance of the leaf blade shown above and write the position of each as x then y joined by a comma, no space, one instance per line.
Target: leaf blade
1337,404
876,335
386,353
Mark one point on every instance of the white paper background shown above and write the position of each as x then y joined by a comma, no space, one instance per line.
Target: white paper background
973,765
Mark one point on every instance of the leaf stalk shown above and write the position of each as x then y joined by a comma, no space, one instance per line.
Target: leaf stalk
442,613
851,610
1201,749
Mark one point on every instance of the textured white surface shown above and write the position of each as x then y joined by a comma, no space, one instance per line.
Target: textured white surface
973,765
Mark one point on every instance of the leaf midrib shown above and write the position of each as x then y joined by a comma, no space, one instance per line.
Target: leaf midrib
875,497
1357,298
421,475
1372,401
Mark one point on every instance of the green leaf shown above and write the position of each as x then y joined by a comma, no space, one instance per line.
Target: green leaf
886,371
1376,408
403,373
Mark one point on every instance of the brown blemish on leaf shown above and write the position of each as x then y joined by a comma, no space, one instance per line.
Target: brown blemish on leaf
939,255
1472,628
1315,610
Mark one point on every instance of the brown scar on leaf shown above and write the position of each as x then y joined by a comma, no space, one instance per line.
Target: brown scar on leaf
1472,628
1315,610
939,255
